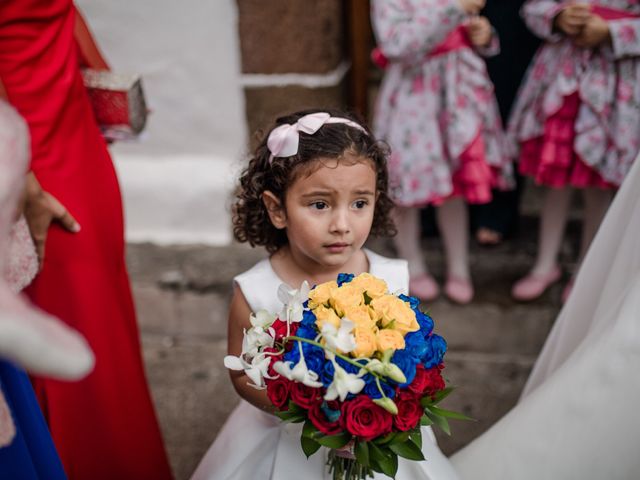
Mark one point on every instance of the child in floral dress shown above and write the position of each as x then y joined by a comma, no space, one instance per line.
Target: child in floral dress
437,111
576,123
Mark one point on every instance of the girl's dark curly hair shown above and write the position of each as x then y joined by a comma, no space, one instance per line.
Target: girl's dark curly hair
251,221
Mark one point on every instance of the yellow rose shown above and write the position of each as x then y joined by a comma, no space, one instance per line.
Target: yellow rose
389,339
395,314
374,286
365,343
360,316
321,294
324,314
346,297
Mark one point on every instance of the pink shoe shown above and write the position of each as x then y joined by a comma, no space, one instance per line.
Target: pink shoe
566,291
533,285
424,286
459,290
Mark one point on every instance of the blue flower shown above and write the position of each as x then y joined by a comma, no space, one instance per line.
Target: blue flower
416,345
371,388
425,322
413,301
307,331
308,318
436,348
315,360
344,278
407,363
309,350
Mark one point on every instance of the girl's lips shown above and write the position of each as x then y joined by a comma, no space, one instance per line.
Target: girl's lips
336,247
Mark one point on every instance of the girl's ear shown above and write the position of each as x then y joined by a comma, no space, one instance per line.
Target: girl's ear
274,209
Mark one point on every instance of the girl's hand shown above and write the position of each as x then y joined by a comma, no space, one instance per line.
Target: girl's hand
40,209
479,31
572,19
472,7
594,33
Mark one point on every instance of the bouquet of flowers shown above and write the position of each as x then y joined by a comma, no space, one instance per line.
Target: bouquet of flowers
359,366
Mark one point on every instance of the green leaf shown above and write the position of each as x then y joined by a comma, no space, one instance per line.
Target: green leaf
386,439
425,421
335,441
362,452
407,450
309,446
308,430
450,414
439,421
297,418
416,438
383,460
442,394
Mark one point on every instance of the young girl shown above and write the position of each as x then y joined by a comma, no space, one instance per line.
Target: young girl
577,122
437,111
315,189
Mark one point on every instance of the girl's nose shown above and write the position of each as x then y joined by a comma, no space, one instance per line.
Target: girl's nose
340,221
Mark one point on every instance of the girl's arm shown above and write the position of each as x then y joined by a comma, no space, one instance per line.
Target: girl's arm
540,15
404,31
625,37
239,313
483,36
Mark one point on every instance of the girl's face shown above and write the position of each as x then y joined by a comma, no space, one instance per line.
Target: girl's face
328,214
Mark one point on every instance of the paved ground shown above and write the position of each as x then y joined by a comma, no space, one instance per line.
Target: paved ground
182,295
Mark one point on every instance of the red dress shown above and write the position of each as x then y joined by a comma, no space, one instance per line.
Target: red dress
104,427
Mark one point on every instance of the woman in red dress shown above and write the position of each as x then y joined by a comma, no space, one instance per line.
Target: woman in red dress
104,427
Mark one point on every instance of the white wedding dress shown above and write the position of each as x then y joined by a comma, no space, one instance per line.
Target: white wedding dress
254,445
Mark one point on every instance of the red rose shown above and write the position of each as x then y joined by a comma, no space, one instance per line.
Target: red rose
280,329
278,391
409,411
305,396
320,420
427,382
365,419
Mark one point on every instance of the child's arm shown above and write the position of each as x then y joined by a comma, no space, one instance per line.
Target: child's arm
625,37
402,31
483,37
239,313
541,17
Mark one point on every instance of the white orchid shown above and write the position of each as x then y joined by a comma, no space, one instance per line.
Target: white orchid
292,301
385,369
255,339
339,338
299,373
262,318
256,370
343,383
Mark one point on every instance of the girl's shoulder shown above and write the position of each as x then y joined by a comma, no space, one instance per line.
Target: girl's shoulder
259,285
394,271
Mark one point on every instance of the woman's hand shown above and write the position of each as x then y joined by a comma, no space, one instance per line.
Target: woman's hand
472,7
479,31
572,19
40,209
594,33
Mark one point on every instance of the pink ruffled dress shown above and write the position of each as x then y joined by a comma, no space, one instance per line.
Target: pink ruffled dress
436,107
576,122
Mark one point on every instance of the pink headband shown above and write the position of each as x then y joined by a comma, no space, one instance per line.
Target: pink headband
283,140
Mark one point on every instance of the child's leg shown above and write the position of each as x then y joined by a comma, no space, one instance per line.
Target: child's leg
596,204
545,270
553,219
407,243
453,222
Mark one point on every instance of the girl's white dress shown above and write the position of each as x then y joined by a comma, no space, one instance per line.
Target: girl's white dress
254,445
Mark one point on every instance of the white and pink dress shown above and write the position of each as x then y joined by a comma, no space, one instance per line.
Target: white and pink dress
436,107
576,121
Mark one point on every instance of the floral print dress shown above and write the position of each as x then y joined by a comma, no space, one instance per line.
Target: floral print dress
598,90
436,107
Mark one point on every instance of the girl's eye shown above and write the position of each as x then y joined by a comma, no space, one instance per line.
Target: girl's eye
319,205
360,204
